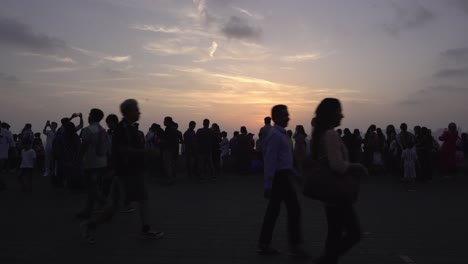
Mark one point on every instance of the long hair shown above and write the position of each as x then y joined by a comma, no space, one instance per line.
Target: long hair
323,120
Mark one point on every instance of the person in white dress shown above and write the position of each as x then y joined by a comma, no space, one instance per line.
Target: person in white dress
50,134
409,159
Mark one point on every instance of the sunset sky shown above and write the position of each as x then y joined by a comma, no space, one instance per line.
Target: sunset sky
232,60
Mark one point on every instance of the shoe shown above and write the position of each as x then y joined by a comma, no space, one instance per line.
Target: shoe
266,250
87,232
152,234
298,252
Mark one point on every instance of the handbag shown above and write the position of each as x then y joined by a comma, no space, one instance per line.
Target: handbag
325,185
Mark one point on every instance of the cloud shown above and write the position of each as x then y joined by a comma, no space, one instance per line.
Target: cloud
8,78
102,56
302,57
172,30
169,47
238,28
213,48
48,57
17,34
57,69
452,73
410,16
462,4
457,54
410,102
248,13
118,58
445,89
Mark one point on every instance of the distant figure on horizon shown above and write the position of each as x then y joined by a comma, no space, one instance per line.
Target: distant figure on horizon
28,160
204,145
190,151
170,148
263,133
6,143
449,138
300,148
243,151
50,136
409,158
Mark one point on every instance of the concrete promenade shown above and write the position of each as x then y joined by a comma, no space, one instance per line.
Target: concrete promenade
219,223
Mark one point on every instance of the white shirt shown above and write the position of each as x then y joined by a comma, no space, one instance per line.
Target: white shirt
90,135
6,142
50,138
335,151
277,154
28,158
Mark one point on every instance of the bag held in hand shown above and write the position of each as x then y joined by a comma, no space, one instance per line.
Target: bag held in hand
322,184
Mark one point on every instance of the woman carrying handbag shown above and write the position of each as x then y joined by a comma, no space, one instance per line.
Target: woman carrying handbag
334,181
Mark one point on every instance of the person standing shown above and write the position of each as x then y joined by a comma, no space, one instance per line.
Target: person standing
28,160
204,146
94,149
300,148
127,151
278,184
189,149
50,136
449,147
6,142
343,225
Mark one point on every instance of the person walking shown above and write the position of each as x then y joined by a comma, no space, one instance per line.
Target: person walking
278,183
343,225
127,151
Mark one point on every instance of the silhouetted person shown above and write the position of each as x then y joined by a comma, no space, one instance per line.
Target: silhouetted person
50,136
405,137
38,147
278,185
170,148
264,132
216,152
190,151
28,160
66,148
425,152
94,149
27,135
204,142
327,146
234,149
300,148
244,150
127,151
224,150
449,147
6,142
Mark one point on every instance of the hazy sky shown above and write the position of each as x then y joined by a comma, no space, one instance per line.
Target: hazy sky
232,60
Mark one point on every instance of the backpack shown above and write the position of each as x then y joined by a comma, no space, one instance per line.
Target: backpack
102,143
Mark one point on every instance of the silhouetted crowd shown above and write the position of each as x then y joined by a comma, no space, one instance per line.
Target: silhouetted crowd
111,164
207,152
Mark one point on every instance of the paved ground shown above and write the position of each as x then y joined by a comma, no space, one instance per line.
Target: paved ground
219,223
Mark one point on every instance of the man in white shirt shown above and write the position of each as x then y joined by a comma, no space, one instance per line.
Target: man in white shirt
278,174
94,154
50,134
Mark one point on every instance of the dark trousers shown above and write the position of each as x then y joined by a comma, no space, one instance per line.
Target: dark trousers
93,179
282,190
344,231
